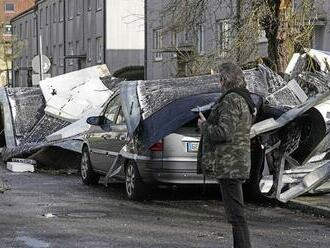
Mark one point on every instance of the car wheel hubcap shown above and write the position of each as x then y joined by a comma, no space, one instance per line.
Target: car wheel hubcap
84,166
130,180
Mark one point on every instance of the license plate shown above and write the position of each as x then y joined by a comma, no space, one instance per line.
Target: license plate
192,146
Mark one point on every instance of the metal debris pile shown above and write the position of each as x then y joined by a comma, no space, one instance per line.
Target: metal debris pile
32,117
55,114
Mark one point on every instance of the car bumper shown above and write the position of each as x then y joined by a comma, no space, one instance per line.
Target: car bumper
171,172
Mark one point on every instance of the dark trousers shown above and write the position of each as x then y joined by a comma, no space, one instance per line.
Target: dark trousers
232,196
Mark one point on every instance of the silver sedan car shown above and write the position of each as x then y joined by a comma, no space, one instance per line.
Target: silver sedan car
172,160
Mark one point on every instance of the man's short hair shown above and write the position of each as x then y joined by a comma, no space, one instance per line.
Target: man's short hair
231,76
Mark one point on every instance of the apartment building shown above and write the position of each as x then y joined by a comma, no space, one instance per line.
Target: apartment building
80,33
164,49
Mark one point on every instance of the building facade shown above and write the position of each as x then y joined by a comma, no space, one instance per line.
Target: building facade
80,33
9,9
165,50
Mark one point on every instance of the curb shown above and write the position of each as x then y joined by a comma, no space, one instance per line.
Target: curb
308,208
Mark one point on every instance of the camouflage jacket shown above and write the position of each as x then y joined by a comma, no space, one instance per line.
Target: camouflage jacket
224,150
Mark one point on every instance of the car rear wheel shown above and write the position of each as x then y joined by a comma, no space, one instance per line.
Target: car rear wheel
135,188
88,176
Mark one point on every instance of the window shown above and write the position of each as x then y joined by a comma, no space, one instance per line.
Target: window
14,30
120,119
223,36
8,29
174,39
77,47
54,55
98,5
174,42
34,27
70,8
262,35
54,13
9,7
158,44
30,27
20,31
40,18
99,50
78,7
26,30
61,54
111,111
200,39
89,50
70,51
186,35
60,10
89,5
46,21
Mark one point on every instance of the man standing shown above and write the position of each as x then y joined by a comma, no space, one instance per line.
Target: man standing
224,151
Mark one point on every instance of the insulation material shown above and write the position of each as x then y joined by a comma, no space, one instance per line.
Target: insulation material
70,96
27,108
296,65
67,98
255,82
273,81
155,94
20,167
78,128
289,95
314,82
321,57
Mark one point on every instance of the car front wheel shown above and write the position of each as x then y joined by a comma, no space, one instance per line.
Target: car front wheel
88,176
135,188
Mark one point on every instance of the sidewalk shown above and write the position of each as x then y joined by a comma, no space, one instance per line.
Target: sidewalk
313,204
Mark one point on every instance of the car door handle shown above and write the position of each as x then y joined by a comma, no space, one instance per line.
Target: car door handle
122,138
106,136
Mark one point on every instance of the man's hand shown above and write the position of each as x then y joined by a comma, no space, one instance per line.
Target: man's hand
201,120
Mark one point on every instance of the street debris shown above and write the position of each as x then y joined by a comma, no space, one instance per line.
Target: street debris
20,167
33,114
292,125
24,160
49,215
3,186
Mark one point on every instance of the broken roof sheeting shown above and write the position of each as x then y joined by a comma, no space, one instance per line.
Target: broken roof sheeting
174,115
71,96
142,99
155,94
68,97
26,108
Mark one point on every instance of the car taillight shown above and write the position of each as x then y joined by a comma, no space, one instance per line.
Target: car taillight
158,147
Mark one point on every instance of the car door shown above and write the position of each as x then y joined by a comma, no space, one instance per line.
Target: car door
100,137
116,138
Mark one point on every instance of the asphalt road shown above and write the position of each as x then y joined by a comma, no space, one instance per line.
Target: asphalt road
102,217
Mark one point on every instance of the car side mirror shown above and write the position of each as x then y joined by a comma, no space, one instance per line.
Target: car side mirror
94,120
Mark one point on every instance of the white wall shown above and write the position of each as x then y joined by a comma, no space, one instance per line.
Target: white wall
125,24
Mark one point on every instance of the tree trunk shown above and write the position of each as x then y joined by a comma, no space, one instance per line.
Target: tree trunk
276,33
282,50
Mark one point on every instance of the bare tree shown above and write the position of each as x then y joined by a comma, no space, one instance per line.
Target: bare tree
288,29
